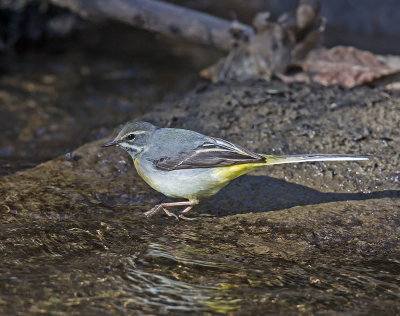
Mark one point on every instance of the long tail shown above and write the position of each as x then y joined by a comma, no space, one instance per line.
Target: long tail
274,160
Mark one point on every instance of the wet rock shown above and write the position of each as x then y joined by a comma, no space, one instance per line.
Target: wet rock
292,238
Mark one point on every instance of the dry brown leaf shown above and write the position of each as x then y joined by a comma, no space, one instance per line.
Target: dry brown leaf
345,66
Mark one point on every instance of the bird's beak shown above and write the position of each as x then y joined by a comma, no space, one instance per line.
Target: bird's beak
112,143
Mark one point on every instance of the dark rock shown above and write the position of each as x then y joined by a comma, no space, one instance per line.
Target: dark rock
304,238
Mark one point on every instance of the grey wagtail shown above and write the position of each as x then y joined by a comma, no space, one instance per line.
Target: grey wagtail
185,164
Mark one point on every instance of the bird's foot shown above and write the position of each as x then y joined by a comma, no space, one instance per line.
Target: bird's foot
181,216
164,206
156,208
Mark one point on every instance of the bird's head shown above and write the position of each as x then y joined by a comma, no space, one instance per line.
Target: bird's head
133,137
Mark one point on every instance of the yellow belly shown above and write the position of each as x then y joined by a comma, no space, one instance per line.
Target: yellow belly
229,173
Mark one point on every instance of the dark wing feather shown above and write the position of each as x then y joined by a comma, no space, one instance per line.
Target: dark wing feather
214,152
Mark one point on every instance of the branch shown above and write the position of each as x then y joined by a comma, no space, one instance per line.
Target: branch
164,18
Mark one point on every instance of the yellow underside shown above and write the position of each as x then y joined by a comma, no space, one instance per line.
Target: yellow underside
146,179
228,173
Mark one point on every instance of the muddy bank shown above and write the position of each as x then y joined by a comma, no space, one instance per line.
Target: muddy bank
292,238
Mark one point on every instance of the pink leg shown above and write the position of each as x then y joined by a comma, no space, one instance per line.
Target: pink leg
156,208
182,215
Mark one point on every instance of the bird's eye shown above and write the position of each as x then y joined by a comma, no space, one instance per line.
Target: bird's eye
131,137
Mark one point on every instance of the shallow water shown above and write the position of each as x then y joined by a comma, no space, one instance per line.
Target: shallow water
113,262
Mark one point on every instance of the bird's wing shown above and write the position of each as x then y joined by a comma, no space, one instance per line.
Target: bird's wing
213,152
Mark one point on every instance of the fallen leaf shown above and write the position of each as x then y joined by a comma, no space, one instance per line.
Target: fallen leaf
345,66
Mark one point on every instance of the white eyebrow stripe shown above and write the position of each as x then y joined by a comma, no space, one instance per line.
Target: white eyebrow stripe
138,132
134,133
